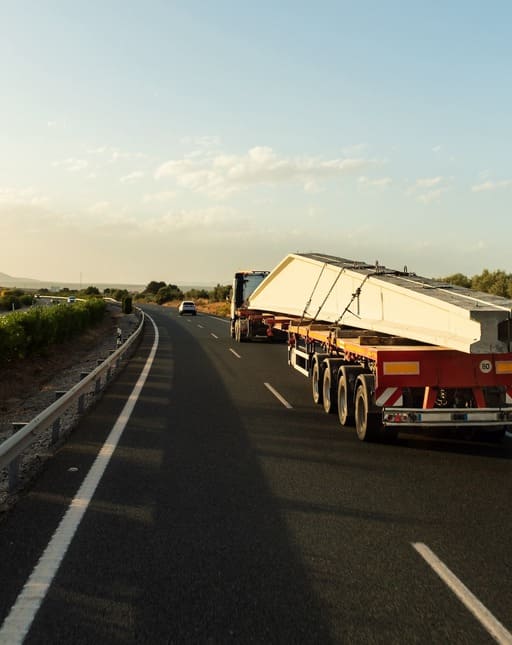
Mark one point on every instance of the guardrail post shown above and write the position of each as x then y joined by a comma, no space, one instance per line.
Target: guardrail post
97,385
56,423
14,466
81,398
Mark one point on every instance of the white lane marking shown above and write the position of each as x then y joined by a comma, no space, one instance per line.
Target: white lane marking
214,335
22,614
223,320
481,613
233,352
200,326
278,396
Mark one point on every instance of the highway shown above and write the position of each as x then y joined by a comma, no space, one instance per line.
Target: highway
205,499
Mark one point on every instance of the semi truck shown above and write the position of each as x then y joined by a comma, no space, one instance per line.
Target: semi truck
245,325
386,349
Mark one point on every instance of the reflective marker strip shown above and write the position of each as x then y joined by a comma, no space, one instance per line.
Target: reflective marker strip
503,367
398,368
481,613
390,396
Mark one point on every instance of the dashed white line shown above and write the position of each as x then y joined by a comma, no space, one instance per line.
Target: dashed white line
278,396
200,326
481,613
22,614
214,335
222,320
233,352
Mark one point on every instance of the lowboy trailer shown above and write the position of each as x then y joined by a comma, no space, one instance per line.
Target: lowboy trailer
381,382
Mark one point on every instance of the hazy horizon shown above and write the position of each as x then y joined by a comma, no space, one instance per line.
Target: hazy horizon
184,141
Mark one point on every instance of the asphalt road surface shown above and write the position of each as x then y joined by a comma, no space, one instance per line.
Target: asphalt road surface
219,505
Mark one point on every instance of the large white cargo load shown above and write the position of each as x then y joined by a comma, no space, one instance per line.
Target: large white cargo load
343,292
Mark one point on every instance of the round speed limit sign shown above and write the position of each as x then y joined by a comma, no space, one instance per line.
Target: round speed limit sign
485,367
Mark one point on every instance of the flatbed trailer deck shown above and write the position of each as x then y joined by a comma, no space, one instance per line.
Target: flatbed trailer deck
383,383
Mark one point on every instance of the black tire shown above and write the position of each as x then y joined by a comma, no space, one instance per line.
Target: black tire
345,408
316,378
367,424
328,392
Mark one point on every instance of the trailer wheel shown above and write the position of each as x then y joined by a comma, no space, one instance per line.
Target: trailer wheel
328,391
316,375
367,423
345,393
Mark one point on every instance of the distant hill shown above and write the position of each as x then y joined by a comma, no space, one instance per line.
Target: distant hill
29,283
9,281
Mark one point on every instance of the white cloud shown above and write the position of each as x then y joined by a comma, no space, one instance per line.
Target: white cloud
99,208
429,189
491,185
223,175
160,197
431,196
71,164
428,182
382,182
113,155
133,176
22,196
216,219
436,149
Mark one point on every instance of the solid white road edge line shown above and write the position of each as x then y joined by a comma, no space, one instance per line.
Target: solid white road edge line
278,396
21,616
481,613
233,352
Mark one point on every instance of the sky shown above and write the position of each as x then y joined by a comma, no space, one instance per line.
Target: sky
181,141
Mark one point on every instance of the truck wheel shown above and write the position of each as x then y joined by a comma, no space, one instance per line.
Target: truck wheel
315,383
238,332
345,415
328,391
367,424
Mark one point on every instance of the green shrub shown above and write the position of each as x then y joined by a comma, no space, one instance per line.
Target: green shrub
26,300
126,305
31,332
9,302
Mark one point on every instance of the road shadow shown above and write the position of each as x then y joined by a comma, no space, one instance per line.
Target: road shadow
184,542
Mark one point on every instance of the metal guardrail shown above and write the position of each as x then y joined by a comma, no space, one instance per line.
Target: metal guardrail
12,449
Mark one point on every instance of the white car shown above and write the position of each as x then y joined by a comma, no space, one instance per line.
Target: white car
187,307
